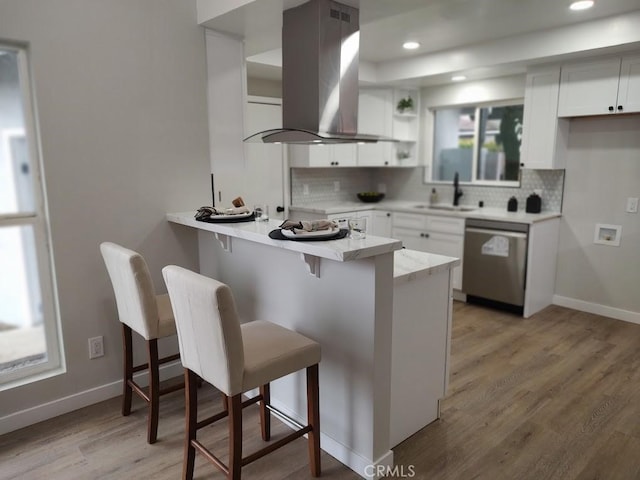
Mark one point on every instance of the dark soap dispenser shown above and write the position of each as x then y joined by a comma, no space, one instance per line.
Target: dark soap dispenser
534,203
512,205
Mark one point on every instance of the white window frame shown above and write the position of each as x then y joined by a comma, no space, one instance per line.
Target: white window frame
428,173
39,221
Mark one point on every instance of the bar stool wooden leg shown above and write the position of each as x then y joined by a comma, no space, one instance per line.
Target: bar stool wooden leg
235,437
154,390
265,415
313,419
127,373
191,420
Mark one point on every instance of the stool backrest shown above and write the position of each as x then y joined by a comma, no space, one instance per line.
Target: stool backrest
208,327
133,288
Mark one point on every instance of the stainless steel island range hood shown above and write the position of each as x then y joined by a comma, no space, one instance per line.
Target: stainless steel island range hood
320,45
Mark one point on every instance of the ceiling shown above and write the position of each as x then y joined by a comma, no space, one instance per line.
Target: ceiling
446,29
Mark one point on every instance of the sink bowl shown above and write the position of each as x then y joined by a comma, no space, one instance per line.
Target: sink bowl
450,208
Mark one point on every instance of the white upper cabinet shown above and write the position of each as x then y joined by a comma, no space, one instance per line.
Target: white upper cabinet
379,114
629,86
336,155
375,118
544,135
374,111
602,87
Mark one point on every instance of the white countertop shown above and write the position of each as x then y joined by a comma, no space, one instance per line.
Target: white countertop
412,264
342,250
408,206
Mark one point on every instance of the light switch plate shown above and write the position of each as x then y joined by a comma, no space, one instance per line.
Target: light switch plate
632,205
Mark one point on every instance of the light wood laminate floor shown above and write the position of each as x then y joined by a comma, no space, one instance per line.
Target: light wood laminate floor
555,396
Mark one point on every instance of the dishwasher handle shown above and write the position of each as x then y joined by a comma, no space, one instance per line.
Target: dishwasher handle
496,232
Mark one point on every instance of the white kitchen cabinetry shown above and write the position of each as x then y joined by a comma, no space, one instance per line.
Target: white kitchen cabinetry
343,217
629,86
421,342
433,234
381,224
544,135
541,265
378,115
603,87
336,155
375,118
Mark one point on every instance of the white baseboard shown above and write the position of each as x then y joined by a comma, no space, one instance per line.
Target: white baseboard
60,406
458,295
597,309
363,466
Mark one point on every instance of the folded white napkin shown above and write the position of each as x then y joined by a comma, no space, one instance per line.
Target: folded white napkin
308,225
213,211
231,210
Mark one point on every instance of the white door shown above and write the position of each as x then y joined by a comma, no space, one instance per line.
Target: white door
264,164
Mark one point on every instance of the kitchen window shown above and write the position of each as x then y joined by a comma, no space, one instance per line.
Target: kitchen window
30,346
481,143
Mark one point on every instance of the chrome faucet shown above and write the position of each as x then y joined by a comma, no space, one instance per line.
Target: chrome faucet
457,193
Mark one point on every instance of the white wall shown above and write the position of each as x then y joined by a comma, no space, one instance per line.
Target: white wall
121,101
261,87
603,169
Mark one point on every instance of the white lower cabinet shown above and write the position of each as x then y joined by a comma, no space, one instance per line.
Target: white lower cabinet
433,234
381,223
343,218
378,221
340,218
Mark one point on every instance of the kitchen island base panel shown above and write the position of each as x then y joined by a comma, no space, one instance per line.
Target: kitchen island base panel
356,462
420,352
348,311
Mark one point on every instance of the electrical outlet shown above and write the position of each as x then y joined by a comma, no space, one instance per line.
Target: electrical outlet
305,189
336,186
96,347
632,205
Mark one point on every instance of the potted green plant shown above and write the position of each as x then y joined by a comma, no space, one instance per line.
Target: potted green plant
405,104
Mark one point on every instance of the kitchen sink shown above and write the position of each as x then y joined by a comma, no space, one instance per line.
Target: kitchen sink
450,208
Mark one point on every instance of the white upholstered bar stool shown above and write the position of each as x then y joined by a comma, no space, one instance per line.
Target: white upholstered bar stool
150,315
236,358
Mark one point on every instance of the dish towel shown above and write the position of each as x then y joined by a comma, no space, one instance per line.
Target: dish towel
308,225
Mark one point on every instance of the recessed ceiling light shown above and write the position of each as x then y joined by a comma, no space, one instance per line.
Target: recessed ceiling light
410,45
581,5
458,78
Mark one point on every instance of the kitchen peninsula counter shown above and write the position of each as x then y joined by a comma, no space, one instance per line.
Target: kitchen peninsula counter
342,250
341,294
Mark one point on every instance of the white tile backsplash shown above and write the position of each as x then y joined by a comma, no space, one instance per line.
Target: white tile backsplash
321,184
407,184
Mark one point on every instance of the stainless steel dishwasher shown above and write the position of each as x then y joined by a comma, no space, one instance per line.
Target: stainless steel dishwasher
495,262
